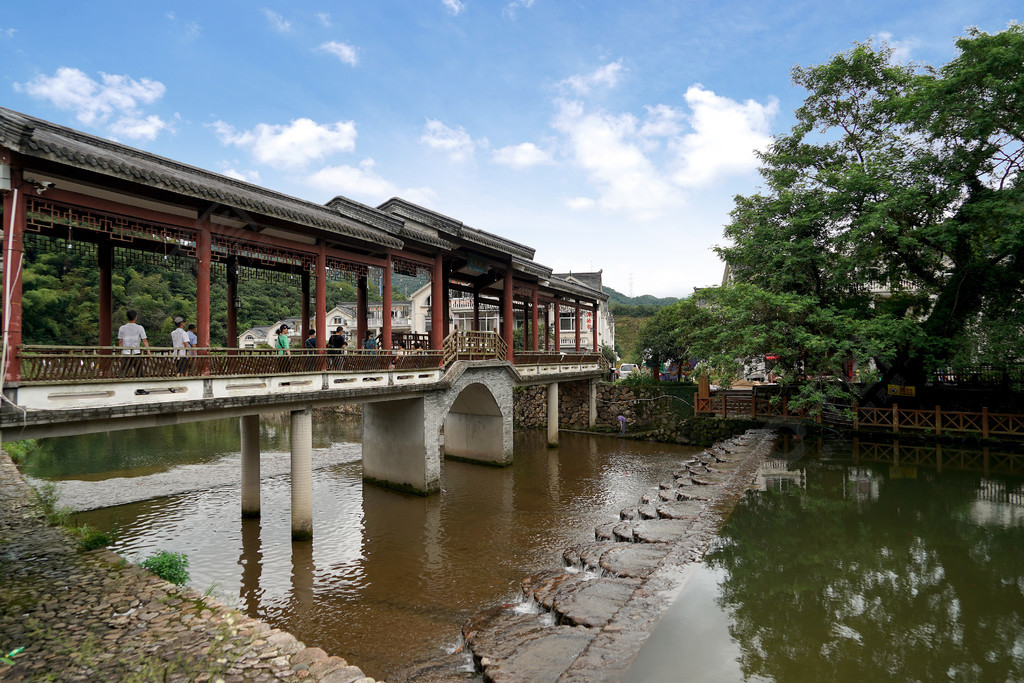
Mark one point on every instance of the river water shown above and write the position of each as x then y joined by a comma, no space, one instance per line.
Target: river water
843,564
388,578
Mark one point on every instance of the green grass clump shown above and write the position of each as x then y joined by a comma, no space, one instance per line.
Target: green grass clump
168,566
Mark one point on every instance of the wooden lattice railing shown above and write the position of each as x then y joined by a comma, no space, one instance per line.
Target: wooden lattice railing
92,363
467,345
891,418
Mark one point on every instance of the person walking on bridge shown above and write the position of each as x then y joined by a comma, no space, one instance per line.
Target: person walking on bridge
282,342
131,337
180,342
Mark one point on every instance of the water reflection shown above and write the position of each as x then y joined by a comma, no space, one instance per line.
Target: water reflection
871,571
389,577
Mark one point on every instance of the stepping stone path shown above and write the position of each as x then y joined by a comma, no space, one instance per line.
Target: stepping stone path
594,615
91,616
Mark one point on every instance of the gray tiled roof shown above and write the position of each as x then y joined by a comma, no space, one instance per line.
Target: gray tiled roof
591,280
41,139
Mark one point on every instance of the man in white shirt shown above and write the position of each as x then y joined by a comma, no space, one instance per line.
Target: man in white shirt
130,337
179,340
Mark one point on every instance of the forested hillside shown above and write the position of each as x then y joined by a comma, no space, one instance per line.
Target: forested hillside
61,296
630,312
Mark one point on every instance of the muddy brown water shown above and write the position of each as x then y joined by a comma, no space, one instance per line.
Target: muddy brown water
388,578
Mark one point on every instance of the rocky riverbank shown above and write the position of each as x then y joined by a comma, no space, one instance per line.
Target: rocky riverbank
587,621
91,616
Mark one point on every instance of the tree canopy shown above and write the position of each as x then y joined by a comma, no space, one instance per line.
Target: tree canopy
890,223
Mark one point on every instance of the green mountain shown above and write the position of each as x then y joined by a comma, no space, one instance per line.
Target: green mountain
642,300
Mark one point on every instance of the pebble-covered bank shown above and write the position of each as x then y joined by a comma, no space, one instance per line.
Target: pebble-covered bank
586,621
91,616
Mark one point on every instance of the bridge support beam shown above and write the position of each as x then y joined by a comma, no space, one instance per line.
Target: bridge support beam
250,426
592,417
302,474
553,414
401,449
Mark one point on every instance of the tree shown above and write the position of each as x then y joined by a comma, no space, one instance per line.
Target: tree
672,334
895,205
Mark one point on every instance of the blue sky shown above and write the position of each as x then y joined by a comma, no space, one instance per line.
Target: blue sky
607,135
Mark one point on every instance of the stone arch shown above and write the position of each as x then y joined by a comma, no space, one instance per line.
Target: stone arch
476,412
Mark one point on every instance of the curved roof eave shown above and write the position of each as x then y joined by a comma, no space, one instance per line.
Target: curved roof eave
40,139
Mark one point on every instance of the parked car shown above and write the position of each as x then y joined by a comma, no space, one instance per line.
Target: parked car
627,369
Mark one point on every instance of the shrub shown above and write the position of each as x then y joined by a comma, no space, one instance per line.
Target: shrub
19,450
56,514
168,566
91,538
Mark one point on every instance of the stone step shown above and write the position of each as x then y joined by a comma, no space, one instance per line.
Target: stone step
592,603
633,560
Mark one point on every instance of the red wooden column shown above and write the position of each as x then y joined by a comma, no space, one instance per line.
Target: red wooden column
232,303
360,311
558,325
436,304
204,247
105,261
533,315
579,322
593,328
385,312
321,297
446,310
304,308
14,253
507,317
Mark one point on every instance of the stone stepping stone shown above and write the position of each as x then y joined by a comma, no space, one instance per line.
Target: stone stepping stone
664,496
695,493
541,587
711,478
659,530
633,560
592,603
588,555
513,647
680,510
603,532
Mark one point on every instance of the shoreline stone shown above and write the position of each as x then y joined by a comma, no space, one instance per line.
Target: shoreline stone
93,616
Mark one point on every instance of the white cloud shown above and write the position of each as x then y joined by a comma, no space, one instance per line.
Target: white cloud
248,175
609,148
277,22
662,121
455,7
726,133
146,128
606,76
293,145
580,203
513,7
900,48
363,182
7,32
342,51
116,97
325,19
455,142
522,155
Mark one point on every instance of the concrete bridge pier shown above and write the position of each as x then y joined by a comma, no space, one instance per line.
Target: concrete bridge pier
302,474
250,427
401,448
553,415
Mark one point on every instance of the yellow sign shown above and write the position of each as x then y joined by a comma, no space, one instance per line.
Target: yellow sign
900,390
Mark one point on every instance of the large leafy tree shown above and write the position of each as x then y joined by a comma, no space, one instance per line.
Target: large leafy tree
895,206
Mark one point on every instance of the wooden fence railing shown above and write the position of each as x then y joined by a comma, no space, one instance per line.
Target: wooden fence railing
554,358
467,345
93,363
891,418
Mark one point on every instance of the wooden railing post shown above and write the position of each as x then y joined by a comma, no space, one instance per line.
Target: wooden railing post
785,406
984,422
938,420
856,415
895,418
